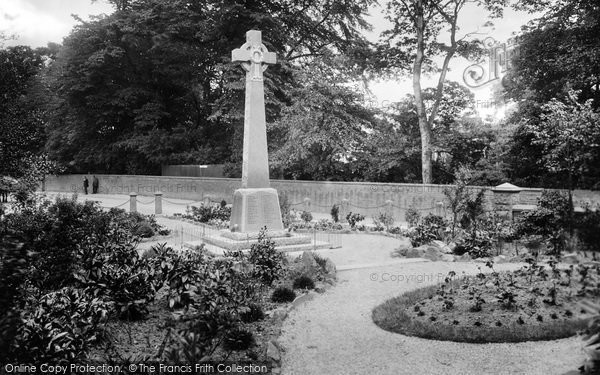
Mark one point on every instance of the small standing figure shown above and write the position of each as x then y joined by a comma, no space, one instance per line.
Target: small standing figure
95,184
86,183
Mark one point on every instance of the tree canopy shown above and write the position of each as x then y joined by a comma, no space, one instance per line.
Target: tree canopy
153,83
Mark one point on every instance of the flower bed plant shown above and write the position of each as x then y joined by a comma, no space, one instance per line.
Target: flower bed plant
536,302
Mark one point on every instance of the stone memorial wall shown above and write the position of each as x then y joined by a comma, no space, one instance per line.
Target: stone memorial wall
366,198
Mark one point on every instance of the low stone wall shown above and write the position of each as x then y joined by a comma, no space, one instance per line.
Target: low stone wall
367,198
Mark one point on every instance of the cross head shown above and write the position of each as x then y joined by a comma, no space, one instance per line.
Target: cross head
254,55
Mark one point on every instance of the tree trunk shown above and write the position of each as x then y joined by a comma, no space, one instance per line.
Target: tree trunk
424,125
571,206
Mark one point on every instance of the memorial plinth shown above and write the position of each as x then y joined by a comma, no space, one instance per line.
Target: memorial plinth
254,209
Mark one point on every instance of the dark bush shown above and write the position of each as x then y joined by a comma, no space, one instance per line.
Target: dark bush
304,282
13,274
479,246
200,337
182,276
306,216
253,313
267,261
283,295
550,220
335,213
588,230
431,228
220,294
354,218
144,230
53,233
207,212
58,327
117,271
238,339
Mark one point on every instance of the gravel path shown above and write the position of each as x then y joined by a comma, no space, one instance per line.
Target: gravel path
334,334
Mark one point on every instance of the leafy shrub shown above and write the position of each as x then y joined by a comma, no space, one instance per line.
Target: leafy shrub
199,338
267,261
13,276
458,195
253,313
335,213
354,218
395,230
412,216
324,224
53,233
306,216
182,276
478,246
283,295
206,212
218,223
322,262
141,225
588,230
434,221
550,220
431,228
219,296
119,273
304,282
144,230
59,326
238,339
384,219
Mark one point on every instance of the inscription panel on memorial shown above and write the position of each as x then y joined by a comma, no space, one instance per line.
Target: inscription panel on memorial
270,209
253,215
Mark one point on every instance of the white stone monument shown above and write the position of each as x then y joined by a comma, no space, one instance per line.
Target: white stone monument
256,204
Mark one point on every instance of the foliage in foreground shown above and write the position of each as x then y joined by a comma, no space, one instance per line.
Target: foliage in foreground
267,261
67,266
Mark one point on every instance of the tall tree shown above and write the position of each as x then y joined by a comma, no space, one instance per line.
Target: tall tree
558,52
323,128
21,114
152,83
392,150
569,134
415,36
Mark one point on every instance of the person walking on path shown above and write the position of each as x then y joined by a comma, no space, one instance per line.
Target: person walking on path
95,184
86,184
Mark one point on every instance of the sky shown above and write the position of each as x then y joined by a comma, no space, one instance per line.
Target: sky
37,22
471,19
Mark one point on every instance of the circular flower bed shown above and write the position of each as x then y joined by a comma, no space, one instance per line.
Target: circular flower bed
534,303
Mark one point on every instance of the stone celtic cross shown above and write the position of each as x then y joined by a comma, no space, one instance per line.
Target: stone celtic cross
254,58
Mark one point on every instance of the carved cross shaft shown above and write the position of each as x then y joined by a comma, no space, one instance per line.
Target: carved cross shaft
254,56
